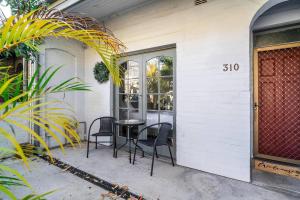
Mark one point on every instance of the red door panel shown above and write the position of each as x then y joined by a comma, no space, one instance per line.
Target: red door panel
279,103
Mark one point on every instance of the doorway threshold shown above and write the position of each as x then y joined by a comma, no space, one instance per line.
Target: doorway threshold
276,176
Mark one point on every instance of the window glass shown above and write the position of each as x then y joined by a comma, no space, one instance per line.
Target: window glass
166,66
166,101
152,102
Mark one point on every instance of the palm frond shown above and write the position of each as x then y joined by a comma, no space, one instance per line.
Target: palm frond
44,23
10,171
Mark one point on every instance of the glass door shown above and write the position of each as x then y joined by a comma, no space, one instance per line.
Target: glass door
128,97
159,87
147,91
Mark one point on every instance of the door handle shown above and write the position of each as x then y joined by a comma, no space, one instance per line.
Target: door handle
255,106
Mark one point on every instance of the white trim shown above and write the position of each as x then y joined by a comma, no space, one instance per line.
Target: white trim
63,4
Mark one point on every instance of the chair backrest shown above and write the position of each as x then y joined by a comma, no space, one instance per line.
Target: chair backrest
163,134
107,124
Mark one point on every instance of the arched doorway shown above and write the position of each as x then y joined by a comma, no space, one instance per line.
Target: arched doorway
276,84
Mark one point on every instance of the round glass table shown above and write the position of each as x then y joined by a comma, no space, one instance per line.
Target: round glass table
130,123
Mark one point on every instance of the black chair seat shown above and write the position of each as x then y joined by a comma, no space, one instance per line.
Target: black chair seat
162,138
149,142
106,129
103,134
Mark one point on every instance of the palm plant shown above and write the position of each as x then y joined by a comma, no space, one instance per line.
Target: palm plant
29,105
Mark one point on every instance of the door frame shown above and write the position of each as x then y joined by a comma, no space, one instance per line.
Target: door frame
113,88
256,154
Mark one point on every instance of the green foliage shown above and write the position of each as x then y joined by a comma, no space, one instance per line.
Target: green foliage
17,105
167,68
25,50
18,37
101,72
23,6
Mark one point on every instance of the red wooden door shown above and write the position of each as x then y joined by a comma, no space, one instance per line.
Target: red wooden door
278,98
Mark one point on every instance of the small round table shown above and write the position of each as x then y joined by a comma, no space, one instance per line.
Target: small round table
130,123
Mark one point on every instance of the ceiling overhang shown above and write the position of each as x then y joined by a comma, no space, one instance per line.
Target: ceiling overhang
99,9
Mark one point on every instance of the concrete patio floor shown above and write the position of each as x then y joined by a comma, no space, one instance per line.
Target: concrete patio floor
44,178
167,183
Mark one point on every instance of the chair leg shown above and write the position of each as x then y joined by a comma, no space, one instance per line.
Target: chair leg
154,150
114,143
96,142
88,147
171,155
156,153
134,154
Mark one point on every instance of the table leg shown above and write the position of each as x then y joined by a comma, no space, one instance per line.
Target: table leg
129,138
120,147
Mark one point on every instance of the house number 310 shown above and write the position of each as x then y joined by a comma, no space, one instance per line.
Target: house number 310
231,67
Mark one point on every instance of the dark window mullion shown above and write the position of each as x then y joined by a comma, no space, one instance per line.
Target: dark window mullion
158,111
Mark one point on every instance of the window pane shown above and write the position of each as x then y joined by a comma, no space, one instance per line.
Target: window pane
122,131
166,116
152,85
123,70
134,114
123,101
166,102
152,118
133,85
152,68
124,86
152,102
123,114
166,85
133,69
134,101
166,66
129,69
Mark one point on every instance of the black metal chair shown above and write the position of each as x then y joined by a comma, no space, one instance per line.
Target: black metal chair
161,140
107,129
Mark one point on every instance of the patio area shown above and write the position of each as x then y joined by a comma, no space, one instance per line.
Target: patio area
167,182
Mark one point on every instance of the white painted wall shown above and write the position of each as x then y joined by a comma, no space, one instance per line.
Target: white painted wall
98,100
20,135
213,107
70,55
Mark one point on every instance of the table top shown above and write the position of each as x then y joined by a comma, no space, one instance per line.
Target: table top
131,122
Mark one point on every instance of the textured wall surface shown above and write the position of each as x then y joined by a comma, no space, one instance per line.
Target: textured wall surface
98,100
213,106
70,55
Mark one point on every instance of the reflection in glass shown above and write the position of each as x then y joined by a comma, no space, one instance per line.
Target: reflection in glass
123,101
133,85
166,102
123,70
123,86
166,85
152,102
123,131
123,114
152,68
134,114
129,69
134,101
152,85
133,69
166,66
166,116
152,118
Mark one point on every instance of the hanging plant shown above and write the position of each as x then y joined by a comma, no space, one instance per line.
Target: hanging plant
101,72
